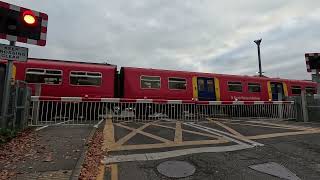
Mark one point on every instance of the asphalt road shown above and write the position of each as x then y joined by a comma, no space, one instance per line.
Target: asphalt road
296,146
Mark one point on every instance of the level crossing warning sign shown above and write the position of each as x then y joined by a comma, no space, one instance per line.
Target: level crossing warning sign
13,53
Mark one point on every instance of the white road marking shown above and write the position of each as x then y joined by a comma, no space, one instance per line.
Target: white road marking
171,154
226,135
42,127
97,125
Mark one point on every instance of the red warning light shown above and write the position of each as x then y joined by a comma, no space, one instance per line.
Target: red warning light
29,18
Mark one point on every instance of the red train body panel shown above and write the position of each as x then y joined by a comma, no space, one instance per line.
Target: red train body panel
101,80
65,88
131,85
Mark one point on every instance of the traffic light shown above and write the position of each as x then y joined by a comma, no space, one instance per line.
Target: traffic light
312,61
23,25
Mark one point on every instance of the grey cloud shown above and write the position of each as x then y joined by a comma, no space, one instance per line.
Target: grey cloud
204,35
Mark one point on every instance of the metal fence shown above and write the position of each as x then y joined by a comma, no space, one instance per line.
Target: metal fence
18,107
307,106
73,110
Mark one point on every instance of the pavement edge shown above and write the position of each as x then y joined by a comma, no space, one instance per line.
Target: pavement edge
77,170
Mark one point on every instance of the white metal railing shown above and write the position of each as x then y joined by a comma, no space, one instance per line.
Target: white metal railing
75,110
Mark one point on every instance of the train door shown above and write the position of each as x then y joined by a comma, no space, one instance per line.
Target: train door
276,88
206,89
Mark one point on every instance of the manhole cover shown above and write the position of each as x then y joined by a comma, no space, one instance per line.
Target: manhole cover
176,169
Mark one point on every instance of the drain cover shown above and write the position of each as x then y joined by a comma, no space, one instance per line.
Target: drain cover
176,169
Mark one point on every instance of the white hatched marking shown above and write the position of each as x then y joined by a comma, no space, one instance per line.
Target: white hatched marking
171,154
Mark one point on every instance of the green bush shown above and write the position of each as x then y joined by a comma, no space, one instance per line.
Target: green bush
6,135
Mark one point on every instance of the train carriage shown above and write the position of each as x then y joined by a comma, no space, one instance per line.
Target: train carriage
142,83
68,79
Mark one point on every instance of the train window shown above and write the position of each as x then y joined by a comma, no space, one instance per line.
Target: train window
254,87
310,90
296,90
81,78
150,82
44,76
201,86
210,85
177,83
235,86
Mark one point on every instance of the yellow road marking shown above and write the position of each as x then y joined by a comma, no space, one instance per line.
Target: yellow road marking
101,172
192,132
131,134
143,133
265,136
108,134
165,145
229,129
114,172
178,133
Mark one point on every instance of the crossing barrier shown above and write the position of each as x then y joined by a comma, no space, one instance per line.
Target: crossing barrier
81,110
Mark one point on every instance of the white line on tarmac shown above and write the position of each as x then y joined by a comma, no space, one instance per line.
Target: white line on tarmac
63,122
203,128
226,135
42,127
98,124
171,154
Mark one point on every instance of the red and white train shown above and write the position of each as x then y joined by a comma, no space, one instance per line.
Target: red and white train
76,79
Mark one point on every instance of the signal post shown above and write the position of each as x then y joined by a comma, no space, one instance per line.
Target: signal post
313,66
18,24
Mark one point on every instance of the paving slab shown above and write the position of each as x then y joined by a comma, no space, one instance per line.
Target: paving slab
59,149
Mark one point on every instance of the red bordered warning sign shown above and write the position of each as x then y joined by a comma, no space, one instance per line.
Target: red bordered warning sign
31,26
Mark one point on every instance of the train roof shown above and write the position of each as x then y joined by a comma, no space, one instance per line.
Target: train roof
68,63
221,75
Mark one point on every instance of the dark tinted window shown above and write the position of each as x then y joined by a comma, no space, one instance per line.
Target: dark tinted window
201,85
254,87
177,83
210,85
150,82
43,76
85,78
296,90
310,90
235,86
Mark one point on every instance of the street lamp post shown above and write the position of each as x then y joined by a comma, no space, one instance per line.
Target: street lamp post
258,42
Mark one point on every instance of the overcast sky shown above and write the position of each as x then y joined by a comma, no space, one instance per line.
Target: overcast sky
194,35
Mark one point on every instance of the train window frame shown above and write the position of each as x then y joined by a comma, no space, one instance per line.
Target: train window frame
85,74
295,87
186,82
150,80
250,84
233,83
309,87
44,73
